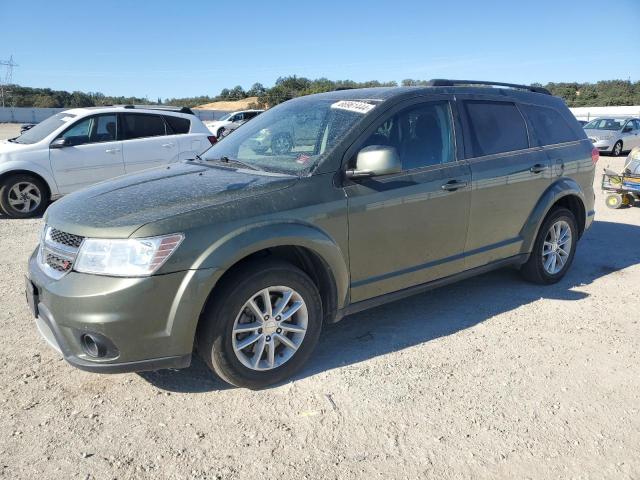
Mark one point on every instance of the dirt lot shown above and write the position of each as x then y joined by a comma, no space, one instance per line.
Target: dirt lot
9,130
490,378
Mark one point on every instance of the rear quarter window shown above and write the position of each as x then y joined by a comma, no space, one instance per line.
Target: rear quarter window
548,125
495,127
178,125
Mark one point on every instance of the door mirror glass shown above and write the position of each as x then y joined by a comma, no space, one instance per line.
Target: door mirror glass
59,143
627,129
376,160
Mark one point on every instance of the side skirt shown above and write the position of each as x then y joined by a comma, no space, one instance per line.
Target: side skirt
425,287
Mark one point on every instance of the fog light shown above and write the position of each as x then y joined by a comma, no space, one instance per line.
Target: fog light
92,346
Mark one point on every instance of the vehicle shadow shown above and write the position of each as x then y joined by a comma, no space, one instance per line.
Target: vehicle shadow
605,249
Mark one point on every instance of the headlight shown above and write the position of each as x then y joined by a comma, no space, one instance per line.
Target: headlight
132,257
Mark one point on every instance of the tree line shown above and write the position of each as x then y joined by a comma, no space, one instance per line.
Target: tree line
600,94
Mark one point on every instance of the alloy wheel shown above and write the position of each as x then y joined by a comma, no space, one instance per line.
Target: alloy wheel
270,328
24,197
556,247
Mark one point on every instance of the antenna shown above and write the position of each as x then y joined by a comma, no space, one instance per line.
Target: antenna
7,80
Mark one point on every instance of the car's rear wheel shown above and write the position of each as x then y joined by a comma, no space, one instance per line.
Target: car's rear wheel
261,325
617,149
554,248
23,196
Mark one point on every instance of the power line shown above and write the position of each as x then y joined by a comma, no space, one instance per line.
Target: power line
7,80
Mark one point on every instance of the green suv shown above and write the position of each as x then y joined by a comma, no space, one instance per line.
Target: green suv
244,253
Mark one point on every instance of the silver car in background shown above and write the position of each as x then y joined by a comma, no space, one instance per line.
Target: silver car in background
614,134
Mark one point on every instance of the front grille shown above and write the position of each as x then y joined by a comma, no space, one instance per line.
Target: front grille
65,238
57,263
58,251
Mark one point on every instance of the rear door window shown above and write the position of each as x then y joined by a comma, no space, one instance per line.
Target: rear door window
549,126
495,127
139,125
178,125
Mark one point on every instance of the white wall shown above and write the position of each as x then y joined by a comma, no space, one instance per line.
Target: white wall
589,113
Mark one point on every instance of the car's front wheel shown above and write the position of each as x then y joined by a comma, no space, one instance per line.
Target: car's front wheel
617,149
261,325
554,248
23,196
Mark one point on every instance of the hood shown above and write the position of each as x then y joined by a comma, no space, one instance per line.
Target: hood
215,123
7,147
117,208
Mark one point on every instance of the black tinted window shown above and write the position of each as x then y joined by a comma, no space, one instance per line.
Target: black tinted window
422,135
137,125
549,126
495,127
178,124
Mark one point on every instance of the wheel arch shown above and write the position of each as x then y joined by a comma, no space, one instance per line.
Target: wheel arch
304,245
566,193
19,171
13,167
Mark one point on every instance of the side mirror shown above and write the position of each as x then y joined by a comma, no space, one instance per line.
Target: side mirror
376,160
59,143
627,129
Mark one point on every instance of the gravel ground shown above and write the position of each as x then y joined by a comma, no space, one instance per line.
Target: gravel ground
9,130
489,378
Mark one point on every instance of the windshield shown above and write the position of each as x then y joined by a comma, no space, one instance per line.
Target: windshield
606,124
225,117
293,137
44,128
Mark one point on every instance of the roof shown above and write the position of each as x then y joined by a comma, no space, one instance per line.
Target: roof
129,108
441,86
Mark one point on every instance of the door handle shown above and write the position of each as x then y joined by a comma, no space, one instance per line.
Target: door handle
167,145
112,150
538,168
453,185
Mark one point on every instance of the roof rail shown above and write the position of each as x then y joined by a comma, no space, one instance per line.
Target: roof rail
168,108
441,82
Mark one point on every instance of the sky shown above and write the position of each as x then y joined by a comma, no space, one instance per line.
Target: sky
187,48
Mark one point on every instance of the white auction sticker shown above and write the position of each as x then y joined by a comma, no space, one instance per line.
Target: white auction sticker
353,106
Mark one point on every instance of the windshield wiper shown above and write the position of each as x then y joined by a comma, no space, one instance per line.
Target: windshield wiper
238,162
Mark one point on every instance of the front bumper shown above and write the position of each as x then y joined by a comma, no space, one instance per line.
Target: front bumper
604,145
147,323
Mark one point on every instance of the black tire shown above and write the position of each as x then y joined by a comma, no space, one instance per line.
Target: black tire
616,151
533,270
629,200
214,336
8,195
614,201
281,144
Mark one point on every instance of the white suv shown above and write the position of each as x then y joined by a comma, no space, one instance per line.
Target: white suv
82,146
231,121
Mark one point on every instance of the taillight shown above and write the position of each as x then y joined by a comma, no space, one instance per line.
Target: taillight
595,155
213,139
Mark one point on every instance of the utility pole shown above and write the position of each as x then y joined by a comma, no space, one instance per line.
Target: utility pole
7,80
